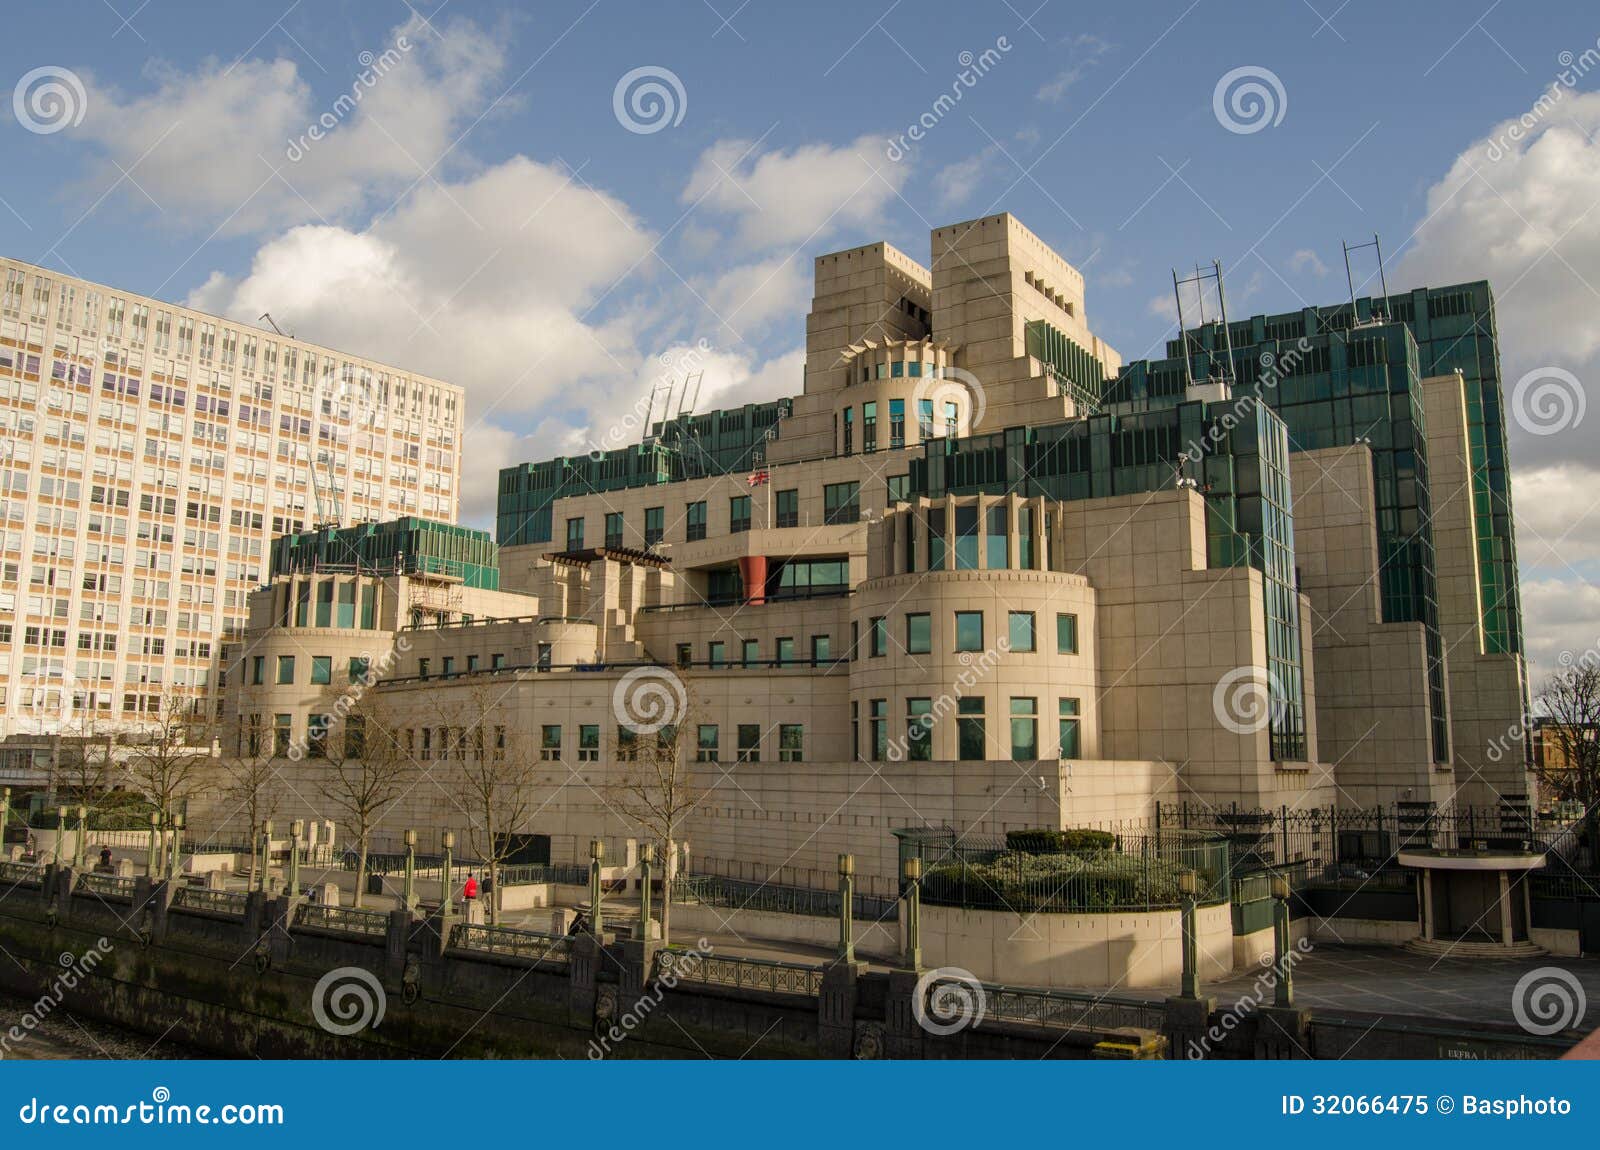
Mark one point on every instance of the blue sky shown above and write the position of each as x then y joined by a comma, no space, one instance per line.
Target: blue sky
484,213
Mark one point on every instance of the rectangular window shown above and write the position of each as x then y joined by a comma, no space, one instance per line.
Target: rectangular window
878,637
750,655
878,730
472,663
355,736
627,743
696,520
791,742
1021,631
325,604
282,733
969,630
1069,721
685,655
258,670
919,730
925,419
543,654
359,665
739,513
785,651
849,430
1025,538
588,742
1066,634
285,670
971,736
952,420
707,739
788,509
869,427
497,660
966,538
855,731
936,539
448,666
919,633
321,670
575,534
821,650
897,423
1024,729
841,502
749,742
347,606
899,489
655,525
614,529
717,653
550,742
997,537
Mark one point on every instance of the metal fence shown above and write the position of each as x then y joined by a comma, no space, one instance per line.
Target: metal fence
744,973
523,874
1139,871
227,902
343,919
745,894
1090,1012
21,874
106,886
534,946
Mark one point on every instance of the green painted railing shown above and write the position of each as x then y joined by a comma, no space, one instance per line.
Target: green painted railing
531,945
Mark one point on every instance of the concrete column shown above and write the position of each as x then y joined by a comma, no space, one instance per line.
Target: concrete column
1427,905
1505,908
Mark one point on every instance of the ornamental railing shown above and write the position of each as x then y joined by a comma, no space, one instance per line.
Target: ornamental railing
1087,1012
106,886
522,874
746,894
228,902
342,919
21,874
742,973
531,945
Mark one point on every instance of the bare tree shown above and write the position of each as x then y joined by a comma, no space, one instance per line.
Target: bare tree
368,771
498,767
173,756
655,789
251,781
1570,766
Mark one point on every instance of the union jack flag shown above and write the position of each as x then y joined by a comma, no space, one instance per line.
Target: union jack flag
757,478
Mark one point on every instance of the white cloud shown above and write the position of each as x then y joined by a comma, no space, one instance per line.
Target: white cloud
752,295
205,143
1305,260
1561,615
1522,214
1083,53
789,198
1557,509
955,183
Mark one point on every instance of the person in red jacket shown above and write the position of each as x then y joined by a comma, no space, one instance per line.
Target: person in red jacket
470,891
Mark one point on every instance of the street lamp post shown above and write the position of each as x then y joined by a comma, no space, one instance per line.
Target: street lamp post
151,865
1283,991
912,872
411,869
1189,887
847,890
266,853
447,896
177,847
78,845
296,829
597,854
644,890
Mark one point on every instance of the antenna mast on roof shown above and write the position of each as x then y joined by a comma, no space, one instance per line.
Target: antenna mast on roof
1377,315
1224,372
